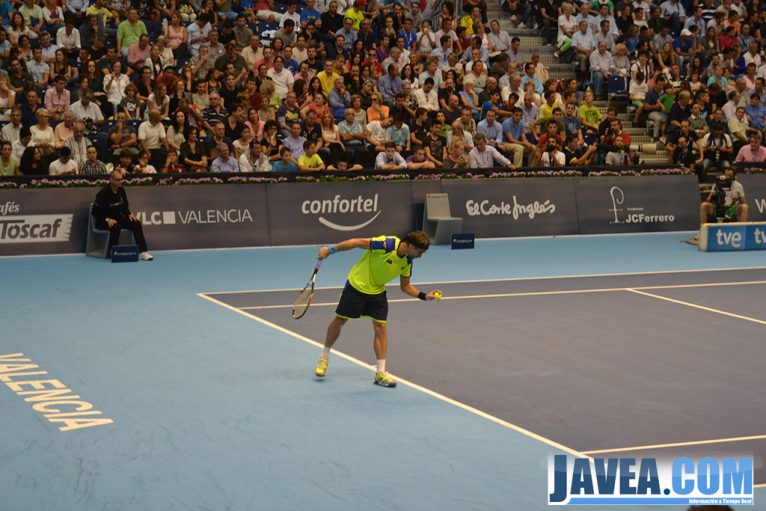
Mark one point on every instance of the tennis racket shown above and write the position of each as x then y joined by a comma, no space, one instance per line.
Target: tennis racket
304,298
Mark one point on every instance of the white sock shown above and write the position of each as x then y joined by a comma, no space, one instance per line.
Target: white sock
382,366
326,352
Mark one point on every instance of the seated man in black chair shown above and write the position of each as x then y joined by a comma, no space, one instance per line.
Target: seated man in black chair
111,212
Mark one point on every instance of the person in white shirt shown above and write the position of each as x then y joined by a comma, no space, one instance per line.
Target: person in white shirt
78,143
498,41
87,110
254,160
283,79
601,67
198,33
254,52
114,85
583,45
426,97
376,133
152,137
291,14
64,164
42,132
11,131
752,55
637,93
68,37
389,159
552,156
567,25
483,156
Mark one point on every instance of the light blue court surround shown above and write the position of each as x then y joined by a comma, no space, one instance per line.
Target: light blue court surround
215,411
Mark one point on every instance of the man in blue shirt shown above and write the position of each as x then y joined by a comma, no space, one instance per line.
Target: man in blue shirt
683,45
390,84
493,130
339,99
529,75
308,13
399,134
410,36
224,162
515,138
493,103
755,112
443,52
349,34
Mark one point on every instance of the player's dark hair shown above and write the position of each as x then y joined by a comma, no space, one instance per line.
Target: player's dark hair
418,239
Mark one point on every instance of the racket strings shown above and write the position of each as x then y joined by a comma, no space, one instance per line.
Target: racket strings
302,302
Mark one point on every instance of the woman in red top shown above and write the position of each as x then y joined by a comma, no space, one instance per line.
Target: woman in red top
728,39
318,106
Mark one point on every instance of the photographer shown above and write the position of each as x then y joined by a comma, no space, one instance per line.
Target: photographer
718,149
684,156
690,138
617,155
551,156
576,154
609,144
726,202
87,111
551,133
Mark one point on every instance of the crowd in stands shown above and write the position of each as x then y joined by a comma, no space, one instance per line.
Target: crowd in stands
165,86
693,69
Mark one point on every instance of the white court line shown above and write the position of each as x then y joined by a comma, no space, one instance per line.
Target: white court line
512,279
402,381
533,293
701,307
678,444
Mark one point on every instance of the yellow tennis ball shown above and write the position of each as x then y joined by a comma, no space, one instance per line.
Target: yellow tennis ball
437,295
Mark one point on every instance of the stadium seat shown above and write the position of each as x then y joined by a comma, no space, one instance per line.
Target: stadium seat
100,141
438,221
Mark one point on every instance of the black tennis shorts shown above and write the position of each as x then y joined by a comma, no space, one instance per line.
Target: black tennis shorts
354,304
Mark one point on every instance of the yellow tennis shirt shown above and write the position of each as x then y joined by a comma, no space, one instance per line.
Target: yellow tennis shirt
379,265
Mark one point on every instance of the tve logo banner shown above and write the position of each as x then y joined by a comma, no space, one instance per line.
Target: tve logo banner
647,481
725,238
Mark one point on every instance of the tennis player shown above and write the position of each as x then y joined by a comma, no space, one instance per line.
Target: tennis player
384,258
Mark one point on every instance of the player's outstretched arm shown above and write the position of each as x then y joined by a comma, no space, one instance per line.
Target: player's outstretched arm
363,243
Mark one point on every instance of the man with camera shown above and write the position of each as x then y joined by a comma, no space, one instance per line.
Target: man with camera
575,154
608,144
726,202
552,156
718,149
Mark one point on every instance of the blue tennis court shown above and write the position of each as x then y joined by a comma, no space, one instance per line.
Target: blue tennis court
202,394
